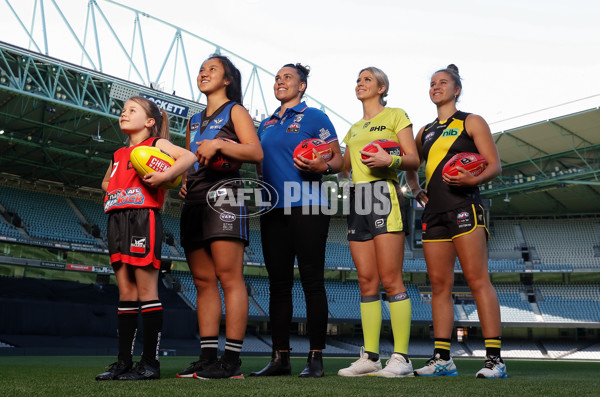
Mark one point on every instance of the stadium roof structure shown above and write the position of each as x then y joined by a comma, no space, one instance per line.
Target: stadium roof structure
551,167
59,127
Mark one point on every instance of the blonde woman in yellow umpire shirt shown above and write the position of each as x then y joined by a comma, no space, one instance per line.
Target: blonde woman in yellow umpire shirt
377,224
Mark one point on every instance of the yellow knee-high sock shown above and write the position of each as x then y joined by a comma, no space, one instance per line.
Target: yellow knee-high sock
400,315
370,316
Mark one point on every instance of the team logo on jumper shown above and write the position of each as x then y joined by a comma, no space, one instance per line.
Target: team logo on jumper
294,127
379,223
216,124
450,132
138,245
324,133
227,217
298,118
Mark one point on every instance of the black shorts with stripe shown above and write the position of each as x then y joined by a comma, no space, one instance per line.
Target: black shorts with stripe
447,226
135,237
375,208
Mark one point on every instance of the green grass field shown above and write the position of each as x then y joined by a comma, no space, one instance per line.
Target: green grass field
74,376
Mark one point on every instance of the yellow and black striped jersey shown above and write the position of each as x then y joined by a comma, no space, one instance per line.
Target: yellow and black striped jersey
441,140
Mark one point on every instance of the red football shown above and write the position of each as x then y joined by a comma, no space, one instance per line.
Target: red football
305,149
391,147
472,162
223,163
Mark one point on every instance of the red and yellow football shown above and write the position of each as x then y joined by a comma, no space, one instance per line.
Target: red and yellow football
472,162
147,159
305,149
392,147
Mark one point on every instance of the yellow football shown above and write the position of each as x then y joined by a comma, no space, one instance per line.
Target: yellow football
147,159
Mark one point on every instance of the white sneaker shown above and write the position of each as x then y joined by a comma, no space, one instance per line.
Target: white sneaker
396,367
362,367
494,368
435,366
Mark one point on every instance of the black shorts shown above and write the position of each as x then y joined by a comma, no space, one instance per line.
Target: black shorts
375,208
201,223
447,226
135,237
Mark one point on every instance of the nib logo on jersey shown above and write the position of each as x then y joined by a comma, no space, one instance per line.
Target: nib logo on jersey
138,245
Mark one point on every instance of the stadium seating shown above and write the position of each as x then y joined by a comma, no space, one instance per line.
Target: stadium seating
573,303
564,241
93,212
45,216
558,245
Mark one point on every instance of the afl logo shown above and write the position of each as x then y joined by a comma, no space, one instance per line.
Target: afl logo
227,217
429,136
236,193
462,215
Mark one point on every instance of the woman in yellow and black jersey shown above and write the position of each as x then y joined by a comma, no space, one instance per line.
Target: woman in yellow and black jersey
454,223
440,141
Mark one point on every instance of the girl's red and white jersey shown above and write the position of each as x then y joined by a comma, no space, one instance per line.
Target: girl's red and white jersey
125,188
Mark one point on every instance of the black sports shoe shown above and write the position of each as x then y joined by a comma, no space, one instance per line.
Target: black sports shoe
115,369
142,371
221,370
194,367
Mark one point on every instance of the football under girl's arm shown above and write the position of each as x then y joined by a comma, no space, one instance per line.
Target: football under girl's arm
184,159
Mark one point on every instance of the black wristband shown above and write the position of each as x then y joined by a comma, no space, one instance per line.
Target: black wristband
328,170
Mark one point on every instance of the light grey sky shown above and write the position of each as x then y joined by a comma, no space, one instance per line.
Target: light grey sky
515,56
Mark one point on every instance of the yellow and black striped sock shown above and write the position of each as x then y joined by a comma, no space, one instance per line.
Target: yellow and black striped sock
493,346
442,347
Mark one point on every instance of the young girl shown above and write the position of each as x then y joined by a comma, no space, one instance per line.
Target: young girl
135,235
213,232
377,239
